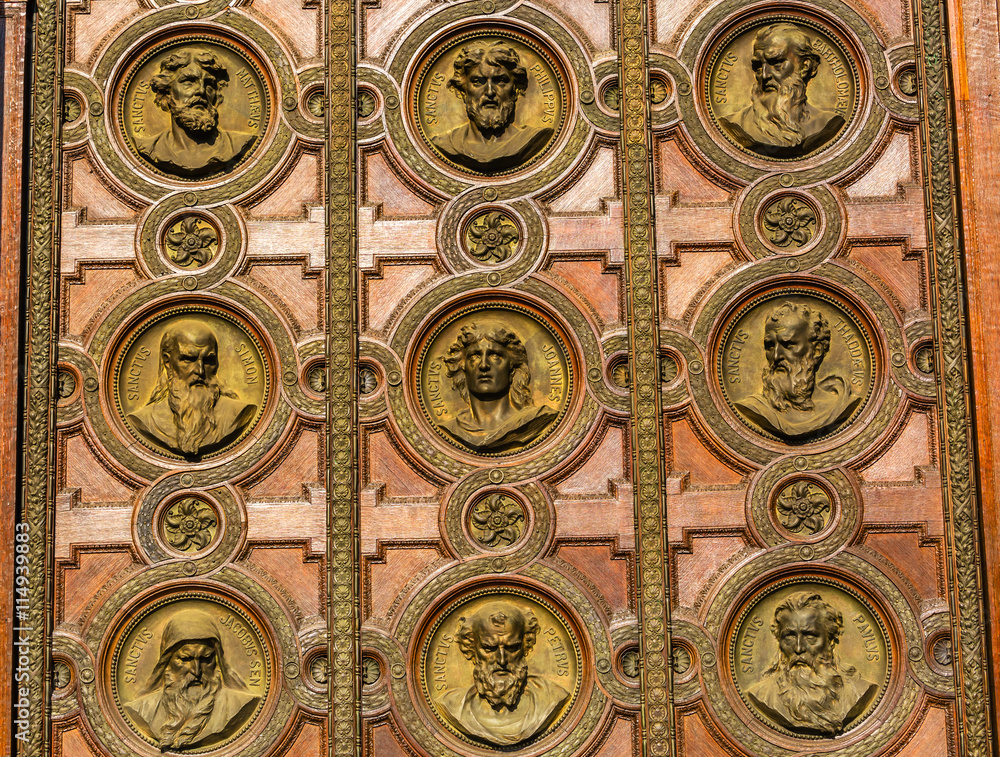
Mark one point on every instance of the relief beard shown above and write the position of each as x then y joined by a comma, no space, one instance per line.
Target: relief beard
778,113
790,384
490,119
194,412
501,687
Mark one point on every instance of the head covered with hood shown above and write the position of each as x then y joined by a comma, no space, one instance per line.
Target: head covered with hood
192,628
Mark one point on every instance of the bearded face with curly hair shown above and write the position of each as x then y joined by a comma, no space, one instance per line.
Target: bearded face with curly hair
808,688
506,704
795,403
189,86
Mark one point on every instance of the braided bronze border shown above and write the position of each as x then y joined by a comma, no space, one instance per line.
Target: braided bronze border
962,511
643,333
38,493
343,584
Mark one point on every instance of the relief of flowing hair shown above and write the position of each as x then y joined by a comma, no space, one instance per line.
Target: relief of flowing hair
520,377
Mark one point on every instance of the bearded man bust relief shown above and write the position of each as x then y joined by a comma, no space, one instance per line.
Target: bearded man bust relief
189,87
193,697
505,705
807,689
780,122
489,81
189,412
792,404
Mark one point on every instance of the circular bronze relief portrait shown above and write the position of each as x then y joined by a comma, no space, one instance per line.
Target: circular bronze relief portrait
494,379
781,87
489,102
193,107
191,382
810,658
795,365
190,673
500,668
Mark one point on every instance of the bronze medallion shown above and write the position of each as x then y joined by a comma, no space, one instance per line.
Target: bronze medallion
191,241
489,102
810,657
804,508
194,107
189,525
796,365
491,236
191,382
190,673
494,379
781,87
789,222
500,668
497,520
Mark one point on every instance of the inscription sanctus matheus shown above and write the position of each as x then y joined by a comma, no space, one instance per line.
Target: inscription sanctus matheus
795,365
494,380
191,673
810,658
489,102
193,108
191,382
500,668
781,87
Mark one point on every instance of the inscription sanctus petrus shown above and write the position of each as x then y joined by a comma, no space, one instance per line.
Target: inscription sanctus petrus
500,668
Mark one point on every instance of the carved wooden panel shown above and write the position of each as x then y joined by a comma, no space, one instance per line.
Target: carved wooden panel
484,377
808,545
189,562
497,542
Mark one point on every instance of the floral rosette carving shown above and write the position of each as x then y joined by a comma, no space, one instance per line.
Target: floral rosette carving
789,222
190,525
192,242
803,506
497,521
492,237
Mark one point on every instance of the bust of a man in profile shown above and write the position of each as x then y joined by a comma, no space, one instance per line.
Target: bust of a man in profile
807,689
489,81
506,705
189,412
193,697
489,369
189,87
780,122
792,404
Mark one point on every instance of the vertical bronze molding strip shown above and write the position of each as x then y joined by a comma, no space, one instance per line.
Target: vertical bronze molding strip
962,514
342,531
33,628
643,331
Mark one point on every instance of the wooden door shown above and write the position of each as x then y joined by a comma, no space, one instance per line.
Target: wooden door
580,378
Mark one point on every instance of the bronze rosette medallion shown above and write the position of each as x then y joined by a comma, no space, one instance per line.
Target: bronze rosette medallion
488,102
810,657
193,107
796,365
494,379
191,382
500,669
781,87
209,648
